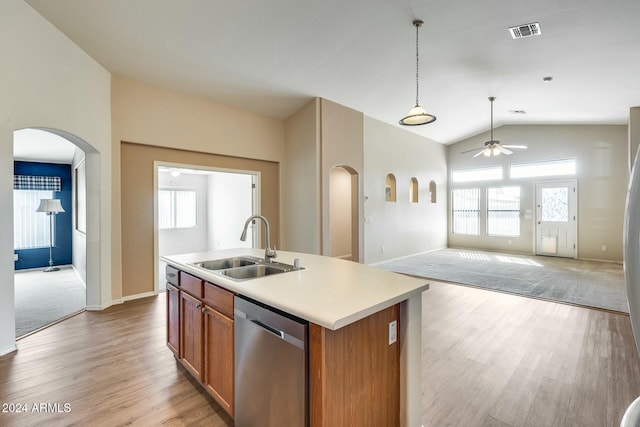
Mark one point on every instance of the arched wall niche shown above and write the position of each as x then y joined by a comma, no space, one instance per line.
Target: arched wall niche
413,190
390,188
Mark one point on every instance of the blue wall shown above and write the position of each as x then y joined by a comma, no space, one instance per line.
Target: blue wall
34,258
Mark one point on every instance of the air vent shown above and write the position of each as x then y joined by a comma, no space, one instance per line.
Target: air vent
526,30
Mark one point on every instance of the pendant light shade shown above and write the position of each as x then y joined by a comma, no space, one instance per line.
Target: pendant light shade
417,115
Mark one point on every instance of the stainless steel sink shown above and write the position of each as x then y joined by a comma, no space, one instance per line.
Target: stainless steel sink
244,267
222,264
255,271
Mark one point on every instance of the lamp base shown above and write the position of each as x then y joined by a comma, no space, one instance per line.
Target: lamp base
48,269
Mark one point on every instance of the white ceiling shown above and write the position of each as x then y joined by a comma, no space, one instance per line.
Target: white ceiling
36,145
273,56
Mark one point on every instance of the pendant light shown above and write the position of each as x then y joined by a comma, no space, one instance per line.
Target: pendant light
417,115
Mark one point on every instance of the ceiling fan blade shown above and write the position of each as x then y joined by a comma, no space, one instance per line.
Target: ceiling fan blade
515,146
503,150
474,149
479,153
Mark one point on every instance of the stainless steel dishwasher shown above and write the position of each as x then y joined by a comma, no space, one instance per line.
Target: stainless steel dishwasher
271,366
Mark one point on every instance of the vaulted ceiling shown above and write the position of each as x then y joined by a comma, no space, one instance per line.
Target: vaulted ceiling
273,56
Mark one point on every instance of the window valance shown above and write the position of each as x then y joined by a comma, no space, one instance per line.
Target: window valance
38,183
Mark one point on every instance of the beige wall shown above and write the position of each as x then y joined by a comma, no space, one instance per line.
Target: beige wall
601,154
157,117
342,145
394,230
49,82
301,226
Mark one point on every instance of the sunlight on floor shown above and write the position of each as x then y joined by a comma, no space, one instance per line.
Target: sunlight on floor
514,260
502,258
474,255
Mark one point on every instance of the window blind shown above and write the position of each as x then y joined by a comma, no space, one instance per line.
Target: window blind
37,183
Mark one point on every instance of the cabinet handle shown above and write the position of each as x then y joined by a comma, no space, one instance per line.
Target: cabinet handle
171,275
198,305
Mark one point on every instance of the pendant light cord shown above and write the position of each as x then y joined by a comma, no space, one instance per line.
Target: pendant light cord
417,24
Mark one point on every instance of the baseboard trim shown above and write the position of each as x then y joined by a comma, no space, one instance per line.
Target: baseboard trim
138,296
406,256
8,350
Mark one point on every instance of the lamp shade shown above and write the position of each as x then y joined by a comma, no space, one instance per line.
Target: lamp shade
50,206
417,116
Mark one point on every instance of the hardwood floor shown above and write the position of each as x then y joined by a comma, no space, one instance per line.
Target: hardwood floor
493,359
489,359
111,368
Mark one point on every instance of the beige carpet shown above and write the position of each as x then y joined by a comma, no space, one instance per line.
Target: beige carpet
585,283
43,298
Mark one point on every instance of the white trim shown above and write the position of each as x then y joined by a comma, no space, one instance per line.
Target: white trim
139,296
406,256
8,350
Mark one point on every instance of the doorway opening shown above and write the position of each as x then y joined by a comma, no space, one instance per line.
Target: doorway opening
201,209
343,213
50,164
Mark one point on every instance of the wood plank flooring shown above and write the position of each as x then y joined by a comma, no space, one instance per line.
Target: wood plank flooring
112,368
494,359
489,359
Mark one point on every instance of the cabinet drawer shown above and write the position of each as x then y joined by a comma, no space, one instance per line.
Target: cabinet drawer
219,299
172,276
191,284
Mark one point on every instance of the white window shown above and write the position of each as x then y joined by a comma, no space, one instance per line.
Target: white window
472,175
465,207
542,169
503,211
177,209
31,228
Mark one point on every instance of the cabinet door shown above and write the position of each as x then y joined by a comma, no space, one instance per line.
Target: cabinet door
191,351
218,338
173,319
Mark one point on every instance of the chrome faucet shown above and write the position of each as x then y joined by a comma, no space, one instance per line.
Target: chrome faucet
269,254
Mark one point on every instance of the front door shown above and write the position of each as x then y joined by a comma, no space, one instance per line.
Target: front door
556,218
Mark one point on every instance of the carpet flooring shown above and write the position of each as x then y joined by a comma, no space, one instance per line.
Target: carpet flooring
585,283
43,298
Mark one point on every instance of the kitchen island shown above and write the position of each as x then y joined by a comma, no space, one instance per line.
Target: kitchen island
363,368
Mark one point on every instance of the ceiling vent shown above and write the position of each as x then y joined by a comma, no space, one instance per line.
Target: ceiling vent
526,30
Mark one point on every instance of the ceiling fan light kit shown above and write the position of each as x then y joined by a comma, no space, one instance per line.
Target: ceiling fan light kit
492,147
417,115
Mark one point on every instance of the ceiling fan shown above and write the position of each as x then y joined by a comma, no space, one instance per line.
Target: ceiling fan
493,147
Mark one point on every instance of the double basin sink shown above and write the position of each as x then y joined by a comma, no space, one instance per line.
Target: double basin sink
244,268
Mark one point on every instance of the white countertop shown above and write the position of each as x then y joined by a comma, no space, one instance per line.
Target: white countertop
329,292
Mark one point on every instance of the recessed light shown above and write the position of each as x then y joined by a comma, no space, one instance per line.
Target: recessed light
547,79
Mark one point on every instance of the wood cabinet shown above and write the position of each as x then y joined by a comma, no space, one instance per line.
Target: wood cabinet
218,366
173,319
200,332
191,342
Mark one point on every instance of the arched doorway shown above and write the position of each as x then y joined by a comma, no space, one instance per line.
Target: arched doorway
85,240
344,213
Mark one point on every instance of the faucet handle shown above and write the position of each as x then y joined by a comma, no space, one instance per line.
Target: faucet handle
271,253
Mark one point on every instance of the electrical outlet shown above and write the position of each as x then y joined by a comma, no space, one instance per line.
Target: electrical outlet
604,248
15,257
393,332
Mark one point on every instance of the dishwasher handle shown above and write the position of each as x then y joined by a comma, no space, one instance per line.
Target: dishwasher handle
274,331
